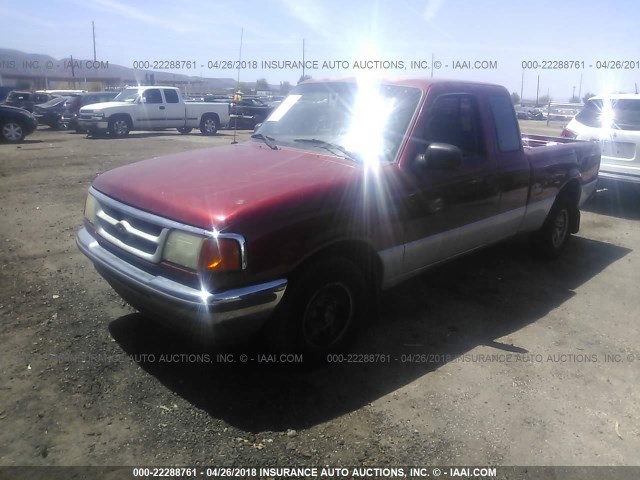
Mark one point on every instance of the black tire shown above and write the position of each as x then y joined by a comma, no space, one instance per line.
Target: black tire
184,130
554,235
119,127
258,119
322,310
209,125
12,131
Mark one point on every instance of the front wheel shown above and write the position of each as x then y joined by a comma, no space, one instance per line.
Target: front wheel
322,310
119,127
12,131
209,125
553,237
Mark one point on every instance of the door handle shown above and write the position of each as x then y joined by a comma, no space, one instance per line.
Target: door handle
162,108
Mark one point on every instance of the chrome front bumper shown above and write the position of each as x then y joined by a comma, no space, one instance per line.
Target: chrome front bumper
178,303
93,125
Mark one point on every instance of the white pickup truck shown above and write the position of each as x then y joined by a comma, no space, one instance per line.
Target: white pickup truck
152,108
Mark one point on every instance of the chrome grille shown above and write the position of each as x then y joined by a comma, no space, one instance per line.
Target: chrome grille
129,232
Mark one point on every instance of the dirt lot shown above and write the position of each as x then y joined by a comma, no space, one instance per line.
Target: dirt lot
496,358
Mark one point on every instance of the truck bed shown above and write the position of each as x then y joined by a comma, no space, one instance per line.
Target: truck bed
531,141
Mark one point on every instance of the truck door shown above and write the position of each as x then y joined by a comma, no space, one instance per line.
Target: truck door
150,112
174,112
513,170
450,210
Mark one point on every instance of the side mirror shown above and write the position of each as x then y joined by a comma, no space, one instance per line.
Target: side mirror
439,156
256,127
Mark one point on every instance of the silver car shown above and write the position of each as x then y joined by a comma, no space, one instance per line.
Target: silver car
614,122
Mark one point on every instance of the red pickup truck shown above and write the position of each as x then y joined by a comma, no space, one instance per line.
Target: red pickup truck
347,189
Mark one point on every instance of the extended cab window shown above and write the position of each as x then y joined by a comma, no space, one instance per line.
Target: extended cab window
505,121
171,96
152,96
454,119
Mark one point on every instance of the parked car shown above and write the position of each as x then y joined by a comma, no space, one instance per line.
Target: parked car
248,112
563,111
26,100
614,122
297,230
152,108
50,113
62,93
4,91
523,113
15,124
218,98
73,105
529,112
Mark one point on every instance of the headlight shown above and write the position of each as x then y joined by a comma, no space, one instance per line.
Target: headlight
98,115
202,253
90,208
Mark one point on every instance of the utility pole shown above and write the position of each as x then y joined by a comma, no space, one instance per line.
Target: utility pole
522,87
538,91
574,93
73,72
432,65
93,28
549,105
303,59
238,88
580,89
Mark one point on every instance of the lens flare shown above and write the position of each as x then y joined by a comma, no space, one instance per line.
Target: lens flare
366,132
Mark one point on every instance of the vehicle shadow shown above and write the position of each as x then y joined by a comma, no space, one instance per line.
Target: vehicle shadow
446,312
615,199
26,141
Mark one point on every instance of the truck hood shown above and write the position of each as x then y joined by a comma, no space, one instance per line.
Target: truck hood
98,107
215,187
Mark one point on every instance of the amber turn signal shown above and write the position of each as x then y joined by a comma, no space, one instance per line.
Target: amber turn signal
220,255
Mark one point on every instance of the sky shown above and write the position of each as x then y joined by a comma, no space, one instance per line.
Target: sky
503,32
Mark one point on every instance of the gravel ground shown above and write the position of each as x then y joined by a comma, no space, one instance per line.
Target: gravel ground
496,358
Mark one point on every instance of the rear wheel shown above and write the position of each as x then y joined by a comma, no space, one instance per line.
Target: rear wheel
209,125
184,130
322,310
553,237
12,131
119,127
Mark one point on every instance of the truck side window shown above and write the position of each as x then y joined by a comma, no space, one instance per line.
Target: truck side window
505,121
171,96
454,119
153,96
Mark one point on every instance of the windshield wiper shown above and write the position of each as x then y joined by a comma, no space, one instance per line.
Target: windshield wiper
332,147
266,139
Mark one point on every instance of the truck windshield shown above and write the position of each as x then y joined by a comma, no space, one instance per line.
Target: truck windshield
127,95
365,121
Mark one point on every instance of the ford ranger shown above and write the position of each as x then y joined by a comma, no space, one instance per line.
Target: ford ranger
151,108
348,188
